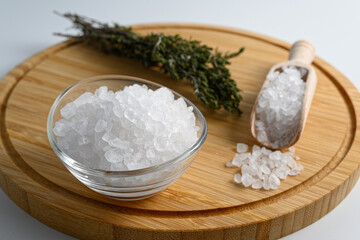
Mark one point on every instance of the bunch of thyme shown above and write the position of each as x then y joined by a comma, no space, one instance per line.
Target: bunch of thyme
174,55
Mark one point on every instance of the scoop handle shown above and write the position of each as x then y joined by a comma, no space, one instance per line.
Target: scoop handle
302,51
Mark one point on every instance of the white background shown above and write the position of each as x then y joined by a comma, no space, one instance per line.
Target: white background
26,27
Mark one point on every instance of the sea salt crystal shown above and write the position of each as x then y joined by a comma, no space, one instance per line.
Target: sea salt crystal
255,148
60,128
258,184
259,124
237,178
100,126
256,154
291,163
63,144
241,147
263,168
114,156
299,167
275,155
229,164
247,179
294,172
238,158
101,91
83,140
274,179
150,153
279,106
273,186
266,184
85,98
80,126
68,111
262,136
126,130
292,149
118,143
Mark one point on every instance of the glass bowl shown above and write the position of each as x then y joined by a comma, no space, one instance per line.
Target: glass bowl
123,185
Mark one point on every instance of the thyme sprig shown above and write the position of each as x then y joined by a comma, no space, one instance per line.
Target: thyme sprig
178,57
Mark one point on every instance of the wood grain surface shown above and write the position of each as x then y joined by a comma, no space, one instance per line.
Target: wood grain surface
204,203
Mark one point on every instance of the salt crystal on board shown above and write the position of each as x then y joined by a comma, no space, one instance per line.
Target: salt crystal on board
258,184
241,147
263,168
229,164
237,178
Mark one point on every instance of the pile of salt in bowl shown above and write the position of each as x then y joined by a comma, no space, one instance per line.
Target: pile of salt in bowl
126,130
279,107
263,168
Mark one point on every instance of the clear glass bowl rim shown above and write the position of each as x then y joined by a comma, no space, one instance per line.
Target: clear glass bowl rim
70,162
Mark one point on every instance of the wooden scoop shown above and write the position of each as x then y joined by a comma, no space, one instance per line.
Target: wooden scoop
301,55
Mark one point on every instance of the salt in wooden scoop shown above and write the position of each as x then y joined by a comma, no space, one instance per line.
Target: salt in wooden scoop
301,55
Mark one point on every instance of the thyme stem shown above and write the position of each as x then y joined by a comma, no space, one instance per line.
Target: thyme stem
179,58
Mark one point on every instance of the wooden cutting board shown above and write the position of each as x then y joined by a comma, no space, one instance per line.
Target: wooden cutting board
204,203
